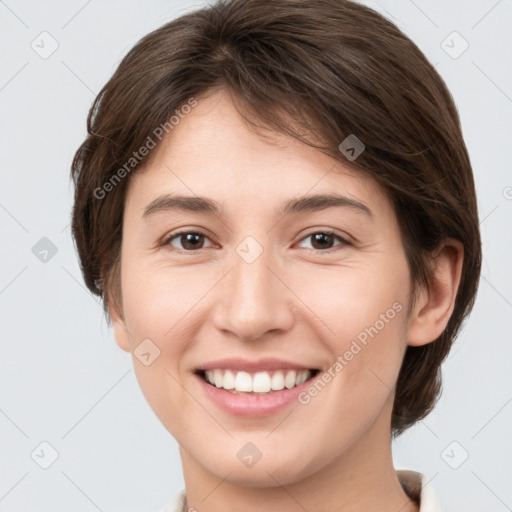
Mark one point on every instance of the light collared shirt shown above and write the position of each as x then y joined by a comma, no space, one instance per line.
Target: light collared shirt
414,484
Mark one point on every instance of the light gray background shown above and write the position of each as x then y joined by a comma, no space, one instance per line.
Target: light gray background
65,381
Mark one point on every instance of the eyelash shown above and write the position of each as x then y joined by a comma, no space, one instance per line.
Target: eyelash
344,241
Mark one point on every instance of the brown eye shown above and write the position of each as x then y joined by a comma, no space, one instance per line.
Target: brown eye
323,240
189,240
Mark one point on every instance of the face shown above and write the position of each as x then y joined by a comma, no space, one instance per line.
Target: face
252,289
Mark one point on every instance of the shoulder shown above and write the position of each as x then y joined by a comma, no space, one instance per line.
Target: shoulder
178,504
416,486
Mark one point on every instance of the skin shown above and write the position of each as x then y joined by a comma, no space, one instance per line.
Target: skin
292,302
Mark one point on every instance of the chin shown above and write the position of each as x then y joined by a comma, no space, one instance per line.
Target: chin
266,472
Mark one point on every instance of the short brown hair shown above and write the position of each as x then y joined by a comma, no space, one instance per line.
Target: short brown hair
335,67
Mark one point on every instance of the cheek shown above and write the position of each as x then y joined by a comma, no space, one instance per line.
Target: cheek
161,303
159,307
355,302
362,311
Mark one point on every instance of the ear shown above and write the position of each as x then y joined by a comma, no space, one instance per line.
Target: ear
434,306
121,333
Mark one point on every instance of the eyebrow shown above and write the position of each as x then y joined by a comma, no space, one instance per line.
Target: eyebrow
311,203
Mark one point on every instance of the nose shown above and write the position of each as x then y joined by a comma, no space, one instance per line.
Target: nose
253,300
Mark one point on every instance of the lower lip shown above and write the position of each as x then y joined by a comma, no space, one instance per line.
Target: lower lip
252,405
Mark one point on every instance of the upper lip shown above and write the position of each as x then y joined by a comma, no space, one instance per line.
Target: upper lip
252,366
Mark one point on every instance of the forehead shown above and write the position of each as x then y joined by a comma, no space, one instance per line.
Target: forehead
212,152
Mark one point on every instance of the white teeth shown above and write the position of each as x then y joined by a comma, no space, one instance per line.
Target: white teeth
260,382
229,380
243,382
290,379
278,381
217,378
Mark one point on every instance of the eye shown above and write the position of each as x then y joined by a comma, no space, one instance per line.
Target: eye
322,240
190,240
194,240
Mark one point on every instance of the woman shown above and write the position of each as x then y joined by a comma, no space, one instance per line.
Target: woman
276,204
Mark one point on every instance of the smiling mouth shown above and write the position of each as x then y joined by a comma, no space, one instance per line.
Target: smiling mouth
256,383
